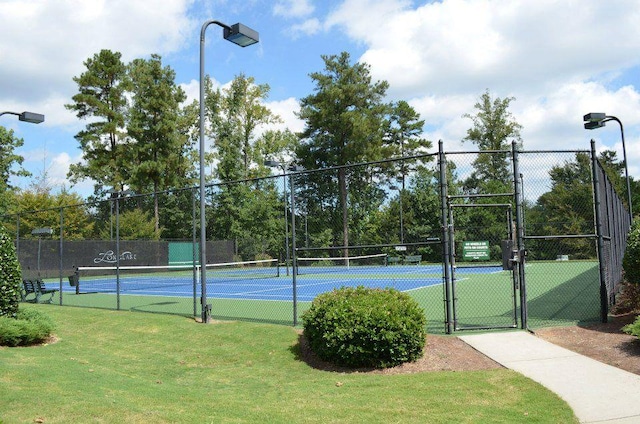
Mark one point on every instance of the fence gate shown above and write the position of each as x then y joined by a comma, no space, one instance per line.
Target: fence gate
484,277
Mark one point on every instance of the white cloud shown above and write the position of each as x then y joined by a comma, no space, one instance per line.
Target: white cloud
556,58
286,109
458,45
293,8
308,27
60,35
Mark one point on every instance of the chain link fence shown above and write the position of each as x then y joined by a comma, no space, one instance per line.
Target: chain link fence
492,239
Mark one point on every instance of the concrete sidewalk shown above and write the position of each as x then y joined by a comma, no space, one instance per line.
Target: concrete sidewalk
597,392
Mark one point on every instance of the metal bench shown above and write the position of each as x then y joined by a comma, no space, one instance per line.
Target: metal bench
393,260
412,260
36,288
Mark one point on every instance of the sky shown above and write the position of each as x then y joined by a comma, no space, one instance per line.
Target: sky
558,59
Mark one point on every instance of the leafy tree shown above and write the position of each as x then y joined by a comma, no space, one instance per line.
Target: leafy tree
41,208
136,224
348,122
158,151
10,278
245,210
403,136
234,114
8,160
566,209
101,99
494,128
279,145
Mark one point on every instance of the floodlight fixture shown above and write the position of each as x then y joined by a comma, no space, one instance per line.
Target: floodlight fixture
241,35
595,120
592,125
272,163
594,117
30,117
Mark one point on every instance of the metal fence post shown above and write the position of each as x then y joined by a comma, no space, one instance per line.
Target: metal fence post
604,303
442,162
520,237
118,252
293,247
60,253
193,250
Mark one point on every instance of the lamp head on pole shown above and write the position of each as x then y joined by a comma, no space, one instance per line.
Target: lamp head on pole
30,117
592,125
241,35
594,120
33,118
272,163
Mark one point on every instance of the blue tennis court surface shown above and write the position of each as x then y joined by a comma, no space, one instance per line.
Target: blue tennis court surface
311,282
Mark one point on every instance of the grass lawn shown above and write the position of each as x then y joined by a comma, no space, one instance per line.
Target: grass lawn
110,366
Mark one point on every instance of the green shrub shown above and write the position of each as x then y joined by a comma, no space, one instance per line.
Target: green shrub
10,276
29,327
362,327
631,260
633,328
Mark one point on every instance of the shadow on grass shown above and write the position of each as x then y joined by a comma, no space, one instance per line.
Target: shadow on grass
576,300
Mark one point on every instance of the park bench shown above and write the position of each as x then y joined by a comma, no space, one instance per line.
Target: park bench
393,260
412,260
36,288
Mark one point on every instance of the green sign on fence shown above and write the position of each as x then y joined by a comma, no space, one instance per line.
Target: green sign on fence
475,250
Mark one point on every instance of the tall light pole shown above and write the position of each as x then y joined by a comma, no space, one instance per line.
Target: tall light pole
242,36
276,164
32,118
595,120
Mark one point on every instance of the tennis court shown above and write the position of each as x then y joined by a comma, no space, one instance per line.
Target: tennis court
257,283
559,292
264,280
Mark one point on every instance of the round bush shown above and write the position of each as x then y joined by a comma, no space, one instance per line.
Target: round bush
29,327
362,327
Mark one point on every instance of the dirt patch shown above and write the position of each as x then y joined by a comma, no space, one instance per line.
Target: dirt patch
603,342
441,353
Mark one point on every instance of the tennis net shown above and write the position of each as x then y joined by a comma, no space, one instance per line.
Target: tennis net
171,278
351,264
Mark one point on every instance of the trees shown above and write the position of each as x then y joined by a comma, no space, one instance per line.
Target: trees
10,277
342,121
347,122
138,135
158,150
244,211
44,211
494,128
8,159
234,115
568,207
101,99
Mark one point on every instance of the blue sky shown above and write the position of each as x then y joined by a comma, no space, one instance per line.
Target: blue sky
559,59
